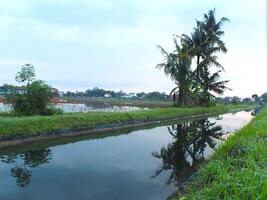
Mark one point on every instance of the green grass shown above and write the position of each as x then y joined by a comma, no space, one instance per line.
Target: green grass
28,126
238,170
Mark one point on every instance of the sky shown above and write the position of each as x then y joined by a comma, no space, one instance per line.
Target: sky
112,44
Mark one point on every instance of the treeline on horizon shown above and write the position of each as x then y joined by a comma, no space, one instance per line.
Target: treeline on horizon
155,95
96,92
102,93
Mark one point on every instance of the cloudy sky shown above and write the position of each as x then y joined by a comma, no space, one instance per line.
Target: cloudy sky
80,44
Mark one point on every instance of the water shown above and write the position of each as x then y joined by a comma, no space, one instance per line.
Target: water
5,107
134,164
68,107
71,108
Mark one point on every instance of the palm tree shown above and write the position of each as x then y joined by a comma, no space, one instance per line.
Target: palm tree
205,42
177,65
213,30
207,36
211,84
195,44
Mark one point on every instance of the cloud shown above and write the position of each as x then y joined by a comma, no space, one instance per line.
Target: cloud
81,44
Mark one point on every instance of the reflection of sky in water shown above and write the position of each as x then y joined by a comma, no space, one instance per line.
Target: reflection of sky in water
68,107
110,168
115,167
233,121
230,123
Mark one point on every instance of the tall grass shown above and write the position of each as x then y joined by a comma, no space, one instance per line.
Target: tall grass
238,170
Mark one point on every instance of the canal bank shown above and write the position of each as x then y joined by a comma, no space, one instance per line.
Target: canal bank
18,130
127,164
237,170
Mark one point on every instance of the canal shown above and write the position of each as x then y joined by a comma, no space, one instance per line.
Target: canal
148,163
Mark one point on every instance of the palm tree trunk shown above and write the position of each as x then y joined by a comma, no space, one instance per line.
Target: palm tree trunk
174,97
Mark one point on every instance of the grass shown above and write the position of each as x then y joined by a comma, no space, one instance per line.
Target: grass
238,170
29,126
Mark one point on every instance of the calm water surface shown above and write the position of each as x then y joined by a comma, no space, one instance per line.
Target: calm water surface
138,164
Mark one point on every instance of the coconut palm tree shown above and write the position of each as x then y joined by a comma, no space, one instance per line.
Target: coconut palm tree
206,37
213,43
211,85
204,44
213,30
177,65
196,44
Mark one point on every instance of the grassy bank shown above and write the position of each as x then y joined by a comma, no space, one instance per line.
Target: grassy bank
238,170
12,126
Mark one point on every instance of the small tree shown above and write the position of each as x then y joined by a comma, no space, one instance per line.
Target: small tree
27,74
38,97
35,100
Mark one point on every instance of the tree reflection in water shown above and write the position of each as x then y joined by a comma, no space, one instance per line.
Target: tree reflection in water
187,150
256,111
22,175
24,162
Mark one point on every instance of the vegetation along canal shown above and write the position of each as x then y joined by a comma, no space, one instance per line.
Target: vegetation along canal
139,164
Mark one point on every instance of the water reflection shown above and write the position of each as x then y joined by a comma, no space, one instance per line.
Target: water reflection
23,164
192,143
256,111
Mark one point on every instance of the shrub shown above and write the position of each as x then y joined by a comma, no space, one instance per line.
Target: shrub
33,101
